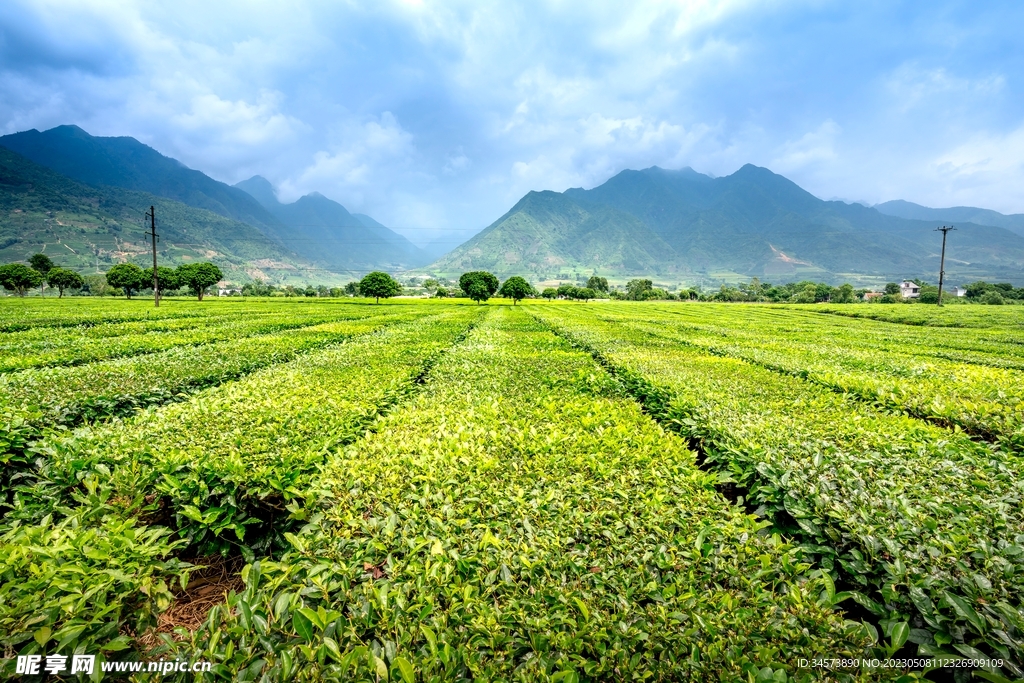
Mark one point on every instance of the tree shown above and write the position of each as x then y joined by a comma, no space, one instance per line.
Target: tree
17,277
62,279
379,285
198,276
993,298
598,284
807,295
639,289
844,294
549,293
976,290
479,285
585,293
166,279
352,288
516,288
892,288
126,276
42,264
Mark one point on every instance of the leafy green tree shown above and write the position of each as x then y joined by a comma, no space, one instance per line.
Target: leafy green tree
17,277
549,293
42,264
844,294
892,288
598,284
565,290
976,290
638,290
62,278
807,295
379,285
442,292
585,294
516,288
166,279
126,276
257,288
993,298
479,285
198,276
96,285
352,288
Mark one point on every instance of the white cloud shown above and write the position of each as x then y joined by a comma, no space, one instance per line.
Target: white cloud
987,170
815,147
358,163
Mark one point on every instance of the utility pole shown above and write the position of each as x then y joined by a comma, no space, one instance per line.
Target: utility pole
942,262
156,281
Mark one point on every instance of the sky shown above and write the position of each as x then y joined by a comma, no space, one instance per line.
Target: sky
436,117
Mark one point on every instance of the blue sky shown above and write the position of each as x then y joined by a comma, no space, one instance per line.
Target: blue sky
435,117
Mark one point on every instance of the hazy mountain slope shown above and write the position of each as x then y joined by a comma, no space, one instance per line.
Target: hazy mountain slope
753,222
955,214
324,231
91,228
127,163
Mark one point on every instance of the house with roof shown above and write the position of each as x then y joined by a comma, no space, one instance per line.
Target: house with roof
909,290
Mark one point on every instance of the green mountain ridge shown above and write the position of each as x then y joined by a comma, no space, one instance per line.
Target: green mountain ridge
686,225
91,228
323,231
316,229
126,163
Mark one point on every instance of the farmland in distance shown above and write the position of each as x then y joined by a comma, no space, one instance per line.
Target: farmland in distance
427,490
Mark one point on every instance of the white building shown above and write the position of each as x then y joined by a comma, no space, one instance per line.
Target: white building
960,291
909,290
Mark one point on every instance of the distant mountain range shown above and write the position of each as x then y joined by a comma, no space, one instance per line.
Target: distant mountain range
63,190
322,230
684,225
955,214
314,229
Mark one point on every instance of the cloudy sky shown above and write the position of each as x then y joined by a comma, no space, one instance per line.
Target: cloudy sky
438,116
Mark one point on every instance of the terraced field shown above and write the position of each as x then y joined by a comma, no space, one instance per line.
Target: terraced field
548,492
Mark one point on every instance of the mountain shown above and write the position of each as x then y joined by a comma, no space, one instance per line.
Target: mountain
547,232
324,231
92,228
955,214
127,163
752,223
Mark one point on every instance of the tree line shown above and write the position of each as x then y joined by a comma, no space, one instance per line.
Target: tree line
478,286
127,277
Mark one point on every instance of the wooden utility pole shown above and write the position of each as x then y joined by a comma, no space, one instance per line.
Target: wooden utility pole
156,281
942,262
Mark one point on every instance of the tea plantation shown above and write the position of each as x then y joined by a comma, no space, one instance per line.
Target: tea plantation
434,490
